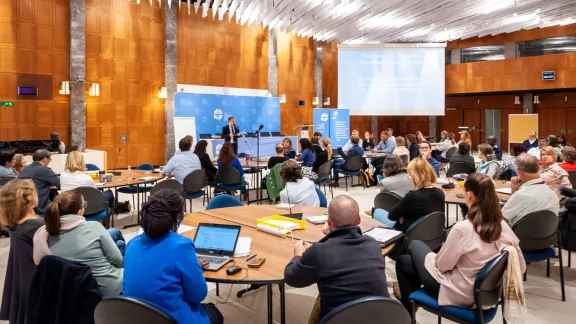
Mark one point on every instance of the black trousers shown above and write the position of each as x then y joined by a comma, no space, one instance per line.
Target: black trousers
213,313
412,274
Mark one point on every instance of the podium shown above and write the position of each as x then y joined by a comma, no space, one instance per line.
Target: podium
302,131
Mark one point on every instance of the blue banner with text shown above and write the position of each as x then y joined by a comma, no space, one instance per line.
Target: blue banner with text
333,123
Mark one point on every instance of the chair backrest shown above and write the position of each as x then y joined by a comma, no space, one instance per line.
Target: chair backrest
428,229
488,283
92,167
537,230
227,175
572,177
325,170
241,155
96,200
323,201
354,163
128,310
459,167
223,201
145,167
405,159
505,175
386,200
195,181
168,184
451,151
368,310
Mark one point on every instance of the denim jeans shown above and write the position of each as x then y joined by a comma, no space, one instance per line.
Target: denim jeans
118,238
382,216
338,165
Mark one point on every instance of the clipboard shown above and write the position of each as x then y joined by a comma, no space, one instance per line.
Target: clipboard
383,235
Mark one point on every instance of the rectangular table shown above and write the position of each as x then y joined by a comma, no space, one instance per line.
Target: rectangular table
59,160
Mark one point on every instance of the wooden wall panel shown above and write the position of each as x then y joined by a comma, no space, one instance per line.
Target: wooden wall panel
330,75
34,39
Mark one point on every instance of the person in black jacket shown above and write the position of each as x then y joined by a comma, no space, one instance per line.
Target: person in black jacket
323,157
43,178
205,160
368,143
497,150
412,146
231,133
278,159
316,145
345,264
463,155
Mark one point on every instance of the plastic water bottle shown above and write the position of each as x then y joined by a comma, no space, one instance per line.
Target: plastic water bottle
129,173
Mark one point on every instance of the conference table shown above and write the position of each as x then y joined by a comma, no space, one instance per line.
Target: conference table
277,250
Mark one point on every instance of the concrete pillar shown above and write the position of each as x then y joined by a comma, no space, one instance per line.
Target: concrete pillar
318,72
170,75
510,50
528,103
273,62
434,127
77,73
374,128
455,57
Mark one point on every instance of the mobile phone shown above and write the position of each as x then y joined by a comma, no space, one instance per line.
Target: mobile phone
256,262
459,195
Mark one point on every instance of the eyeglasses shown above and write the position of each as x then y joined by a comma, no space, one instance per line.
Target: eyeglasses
424,148
85,204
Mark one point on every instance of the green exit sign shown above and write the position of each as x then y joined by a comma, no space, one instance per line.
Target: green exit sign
6,103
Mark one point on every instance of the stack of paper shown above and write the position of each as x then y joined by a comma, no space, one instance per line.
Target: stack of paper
242,247
317,219
284,225
285,206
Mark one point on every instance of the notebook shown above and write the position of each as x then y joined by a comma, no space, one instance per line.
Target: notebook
507,191
384,236
317,219
243,247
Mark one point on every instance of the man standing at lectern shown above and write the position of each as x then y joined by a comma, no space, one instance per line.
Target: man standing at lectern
231,132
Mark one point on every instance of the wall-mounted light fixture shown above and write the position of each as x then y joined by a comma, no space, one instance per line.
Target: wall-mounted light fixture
315,101
327,101
283,98
162,93
94,90
64,88
517,100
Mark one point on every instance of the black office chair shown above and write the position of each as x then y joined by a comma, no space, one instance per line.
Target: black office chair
451,151
128,310
97,209
368,310
168,184
195,186
459,167
228,178
505,175
353,166
405,159
386,201
538,232
324,173
572,177
428,229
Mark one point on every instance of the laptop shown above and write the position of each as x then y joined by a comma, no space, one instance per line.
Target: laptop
205,136
215,244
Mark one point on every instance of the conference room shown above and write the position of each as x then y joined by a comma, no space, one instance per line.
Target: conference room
283,161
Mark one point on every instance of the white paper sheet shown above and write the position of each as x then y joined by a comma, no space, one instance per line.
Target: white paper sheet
285,206
317,219
285,225
185,228
243,247
507,191
147,178
382,234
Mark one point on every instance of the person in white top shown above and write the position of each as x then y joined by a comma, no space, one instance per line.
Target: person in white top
535,151
529,192
299,190
349,144
391,134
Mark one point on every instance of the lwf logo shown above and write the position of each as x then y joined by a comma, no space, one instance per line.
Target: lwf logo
324,117
218,114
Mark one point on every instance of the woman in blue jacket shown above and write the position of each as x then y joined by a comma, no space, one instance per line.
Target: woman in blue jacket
308,155
160,266
228,157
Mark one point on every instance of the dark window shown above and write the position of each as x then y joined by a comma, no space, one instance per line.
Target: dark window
545,46
482,53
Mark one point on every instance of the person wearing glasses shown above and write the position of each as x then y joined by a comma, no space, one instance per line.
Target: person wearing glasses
43,178
68,235
426,153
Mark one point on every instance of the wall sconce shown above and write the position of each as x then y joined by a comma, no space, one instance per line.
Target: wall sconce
536,99
162,93
64,88
94,90
327,101
517,100
283,98
315,101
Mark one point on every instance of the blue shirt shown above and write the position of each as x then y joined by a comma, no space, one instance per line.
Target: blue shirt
435,164
308,156
182,164
165,272
387,147
235,163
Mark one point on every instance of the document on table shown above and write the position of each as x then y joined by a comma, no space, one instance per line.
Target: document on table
181,229
243,247
146,178
507,191
285,225
285,206
384,236
317,219
100,183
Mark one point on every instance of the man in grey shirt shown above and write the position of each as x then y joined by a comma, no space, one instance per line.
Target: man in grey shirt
43,178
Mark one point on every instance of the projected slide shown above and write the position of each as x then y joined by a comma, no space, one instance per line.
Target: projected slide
391,81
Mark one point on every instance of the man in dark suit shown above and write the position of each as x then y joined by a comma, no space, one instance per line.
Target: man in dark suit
231,133
43,178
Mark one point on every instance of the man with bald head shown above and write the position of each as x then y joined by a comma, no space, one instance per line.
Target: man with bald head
345,264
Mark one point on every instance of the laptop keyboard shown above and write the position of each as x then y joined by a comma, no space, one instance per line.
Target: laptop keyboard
213,259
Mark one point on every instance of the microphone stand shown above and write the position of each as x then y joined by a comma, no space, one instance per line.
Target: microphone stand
258,191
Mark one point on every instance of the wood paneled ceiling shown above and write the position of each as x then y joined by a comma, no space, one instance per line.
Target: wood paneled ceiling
378,21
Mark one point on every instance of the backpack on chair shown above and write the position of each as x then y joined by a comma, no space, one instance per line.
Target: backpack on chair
367,180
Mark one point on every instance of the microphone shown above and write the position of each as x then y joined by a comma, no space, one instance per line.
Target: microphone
291,215
258,130
115,163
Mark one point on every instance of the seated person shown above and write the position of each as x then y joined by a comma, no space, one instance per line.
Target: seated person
349,144
7,162
488,166
173,276
298,190
535,151
278,159
368,142
439,153
43,178
317,135
228,157
205,161
569,158
562,141
531,142
68,235
54,136
387,146
412,145
288,150
183,163
20,163
420,202
553,142
509,162
396,181
426,153
345,264
552,174
400,148
497,150
443,136
308,155
323,157
529,192
449,275
463,155
316,145
355,150
74,176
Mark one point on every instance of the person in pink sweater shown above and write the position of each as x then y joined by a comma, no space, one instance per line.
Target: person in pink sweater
472,243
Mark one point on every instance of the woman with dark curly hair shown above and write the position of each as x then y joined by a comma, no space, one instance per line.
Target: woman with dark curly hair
299,190
173,277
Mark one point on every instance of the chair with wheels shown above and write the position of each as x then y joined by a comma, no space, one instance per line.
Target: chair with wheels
538,232
428,229
168,184
97,209
368,310
195,186
92,167
487,292
223,201
228,178
458,168
138,189
324,177
352,167
128,310
323,201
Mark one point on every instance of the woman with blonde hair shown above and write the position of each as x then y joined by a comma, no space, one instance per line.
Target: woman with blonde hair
443,136
17,201
400,148
553,174
323,157
465,137
20,163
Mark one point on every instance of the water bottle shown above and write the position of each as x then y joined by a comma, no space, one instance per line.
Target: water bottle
129,173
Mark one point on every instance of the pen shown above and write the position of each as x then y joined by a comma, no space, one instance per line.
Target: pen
251,257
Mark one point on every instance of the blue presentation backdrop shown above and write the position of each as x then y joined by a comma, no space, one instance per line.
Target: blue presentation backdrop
211,112
333,123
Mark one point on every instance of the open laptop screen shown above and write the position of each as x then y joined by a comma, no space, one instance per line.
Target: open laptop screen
217,239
